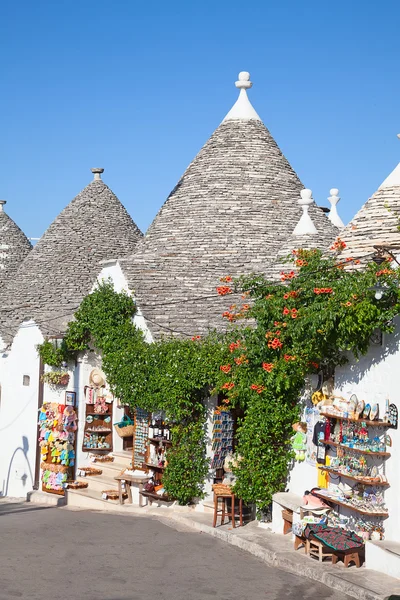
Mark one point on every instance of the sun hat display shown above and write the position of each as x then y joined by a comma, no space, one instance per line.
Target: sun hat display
97,378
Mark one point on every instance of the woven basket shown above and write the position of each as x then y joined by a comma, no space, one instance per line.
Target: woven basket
221,489
125,430
90,471
76,485
102,459
113,494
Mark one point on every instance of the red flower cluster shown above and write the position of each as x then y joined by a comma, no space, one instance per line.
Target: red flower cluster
246,307
285,276
323,290
223,290
288,357
268,367
315,365
234,345
275,344
228,386
230,316
257,388
225,368
240,360
301,263
226,279
339,245
288,311
196,337
384,272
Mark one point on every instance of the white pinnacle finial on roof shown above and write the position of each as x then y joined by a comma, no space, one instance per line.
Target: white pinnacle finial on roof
305,225
334,215
97,173
2,203
242,110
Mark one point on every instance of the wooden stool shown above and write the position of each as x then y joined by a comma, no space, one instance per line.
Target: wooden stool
357,556
223,512
300,541
318,550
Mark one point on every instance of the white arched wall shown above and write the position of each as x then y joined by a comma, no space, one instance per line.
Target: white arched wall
19,412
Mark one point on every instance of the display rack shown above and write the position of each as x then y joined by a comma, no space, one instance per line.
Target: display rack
140,439
223,431
368,482
97,434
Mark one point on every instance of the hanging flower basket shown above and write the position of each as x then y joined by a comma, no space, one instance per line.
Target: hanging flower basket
55,378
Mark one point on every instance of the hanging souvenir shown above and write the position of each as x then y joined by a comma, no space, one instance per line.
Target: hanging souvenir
299,441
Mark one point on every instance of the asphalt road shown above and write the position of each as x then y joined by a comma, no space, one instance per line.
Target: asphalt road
50,553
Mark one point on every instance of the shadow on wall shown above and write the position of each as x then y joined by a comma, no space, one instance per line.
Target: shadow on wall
376,354
24,477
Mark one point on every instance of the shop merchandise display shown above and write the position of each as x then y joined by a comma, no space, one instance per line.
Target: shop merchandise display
140,439
222,444
57,434
98,418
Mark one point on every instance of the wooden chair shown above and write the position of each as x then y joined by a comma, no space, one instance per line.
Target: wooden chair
224,493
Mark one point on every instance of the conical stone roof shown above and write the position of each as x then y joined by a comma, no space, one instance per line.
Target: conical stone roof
63,266
14,246
229,214
377,223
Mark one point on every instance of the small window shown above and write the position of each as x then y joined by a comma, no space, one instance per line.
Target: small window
26,380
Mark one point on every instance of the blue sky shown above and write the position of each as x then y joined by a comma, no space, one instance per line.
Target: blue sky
138,87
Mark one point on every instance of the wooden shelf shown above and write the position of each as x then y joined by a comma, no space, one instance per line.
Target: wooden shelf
157,440
99,431
368,453
358,479
368,423
355,508
107,414
155,467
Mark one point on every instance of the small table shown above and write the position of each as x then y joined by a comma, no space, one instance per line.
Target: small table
129,480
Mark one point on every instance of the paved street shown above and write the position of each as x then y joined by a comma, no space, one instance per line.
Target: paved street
49,553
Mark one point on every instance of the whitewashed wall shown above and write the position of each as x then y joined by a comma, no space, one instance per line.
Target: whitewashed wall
19,412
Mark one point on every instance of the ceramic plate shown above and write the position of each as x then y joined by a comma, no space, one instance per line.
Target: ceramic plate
353,403
374,412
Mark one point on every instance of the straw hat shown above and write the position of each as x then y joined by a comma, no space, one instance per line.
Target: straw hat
97,378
